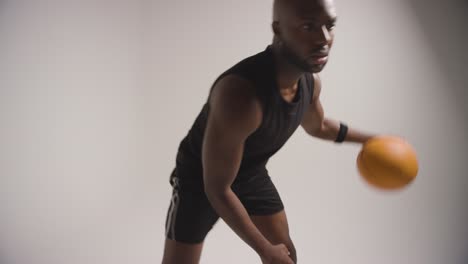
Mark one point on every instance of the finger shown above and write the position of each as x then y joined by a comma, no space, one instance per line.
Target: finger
286,250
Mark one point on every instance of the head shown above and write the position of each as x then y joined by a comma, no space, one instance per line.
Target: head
304,32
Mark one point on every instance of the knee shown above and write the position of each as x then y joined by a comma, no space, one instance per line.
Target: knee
292,251
181,253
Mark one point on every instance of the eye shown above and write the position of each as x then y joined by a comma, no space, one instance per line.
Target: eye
331,26
308,27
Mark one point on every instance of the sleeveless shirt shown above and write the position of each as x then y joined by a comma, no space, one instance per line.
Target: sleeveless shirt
280,120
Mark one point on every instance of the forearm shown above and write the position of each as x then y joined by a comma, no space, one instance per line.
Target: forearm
231,210
330,129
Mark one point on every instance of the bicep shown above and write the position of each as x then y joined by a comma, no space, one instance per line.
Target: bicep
234,115
314,116
221,155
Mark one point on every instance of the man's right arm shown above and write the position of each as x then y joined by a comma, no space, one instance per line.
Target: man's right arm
235,113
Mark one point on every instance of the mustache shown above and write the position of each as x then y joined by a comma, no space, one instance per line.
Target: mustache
321,49
320,52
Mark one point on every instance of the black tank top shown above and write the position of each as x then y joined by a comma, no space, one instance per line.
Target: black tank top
280,120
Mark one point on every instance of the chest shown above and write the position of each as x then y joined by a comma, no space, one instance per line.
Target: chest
281,117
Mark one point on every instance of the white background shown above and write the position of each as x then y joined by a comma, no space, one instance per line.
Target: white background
95,97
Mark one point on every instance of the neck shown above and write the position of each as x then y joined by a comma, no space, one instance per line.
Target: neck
287,73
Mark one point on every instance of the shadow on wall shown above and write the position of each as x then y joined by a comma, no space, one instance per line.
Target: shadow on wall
444,25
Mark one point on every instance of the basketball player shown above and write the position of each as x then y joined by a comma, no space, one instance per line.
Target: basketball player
252,110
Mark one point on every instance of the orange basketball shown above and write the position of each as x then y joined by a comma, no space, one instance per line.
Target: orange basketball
387,162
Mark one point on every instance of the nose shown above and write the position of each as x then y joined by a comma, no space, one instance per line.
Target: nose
324,35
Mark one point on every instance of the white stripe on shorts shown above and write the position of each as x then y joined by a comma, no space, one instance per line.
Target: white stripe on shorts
172,214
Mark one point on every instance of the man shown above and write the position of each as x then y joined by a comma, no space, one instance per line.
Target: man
252,109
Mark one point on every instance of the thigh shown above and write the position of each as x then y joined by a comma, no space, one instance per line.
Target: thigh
259,195
275,228
189,219
263,203
190,215
181,253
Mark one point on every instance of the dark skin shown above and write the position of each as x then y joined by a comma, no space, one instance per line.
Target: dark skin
304,31
303,38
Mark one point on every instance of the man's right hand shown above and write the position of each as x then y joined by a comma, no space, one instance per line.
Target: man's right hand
277,254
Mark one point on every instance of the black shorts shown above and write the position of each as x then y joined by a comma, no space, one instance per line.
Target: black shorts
190,215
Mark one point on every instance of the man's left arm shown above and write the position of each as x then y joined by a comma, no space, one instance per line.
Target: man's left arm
317,125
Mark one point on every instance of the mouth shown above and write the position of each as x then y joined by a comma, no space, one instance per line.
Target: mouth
319,55
320,58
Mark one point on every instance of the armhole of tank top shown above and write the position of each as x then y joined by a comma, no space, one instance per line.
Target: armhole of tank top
207,103
214,84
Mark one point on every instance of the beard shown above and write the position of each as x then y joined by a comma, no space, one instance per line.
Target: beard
296,60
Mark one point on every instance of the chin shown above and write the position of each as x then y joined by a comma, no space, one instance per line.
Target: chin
315,68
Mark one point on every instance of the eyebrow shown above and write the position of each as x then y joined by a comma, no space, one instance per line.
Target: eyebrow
315,21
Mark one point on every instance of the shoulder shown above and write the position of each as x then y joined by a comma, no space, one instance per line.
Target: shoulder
253,67
233,100
233,87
